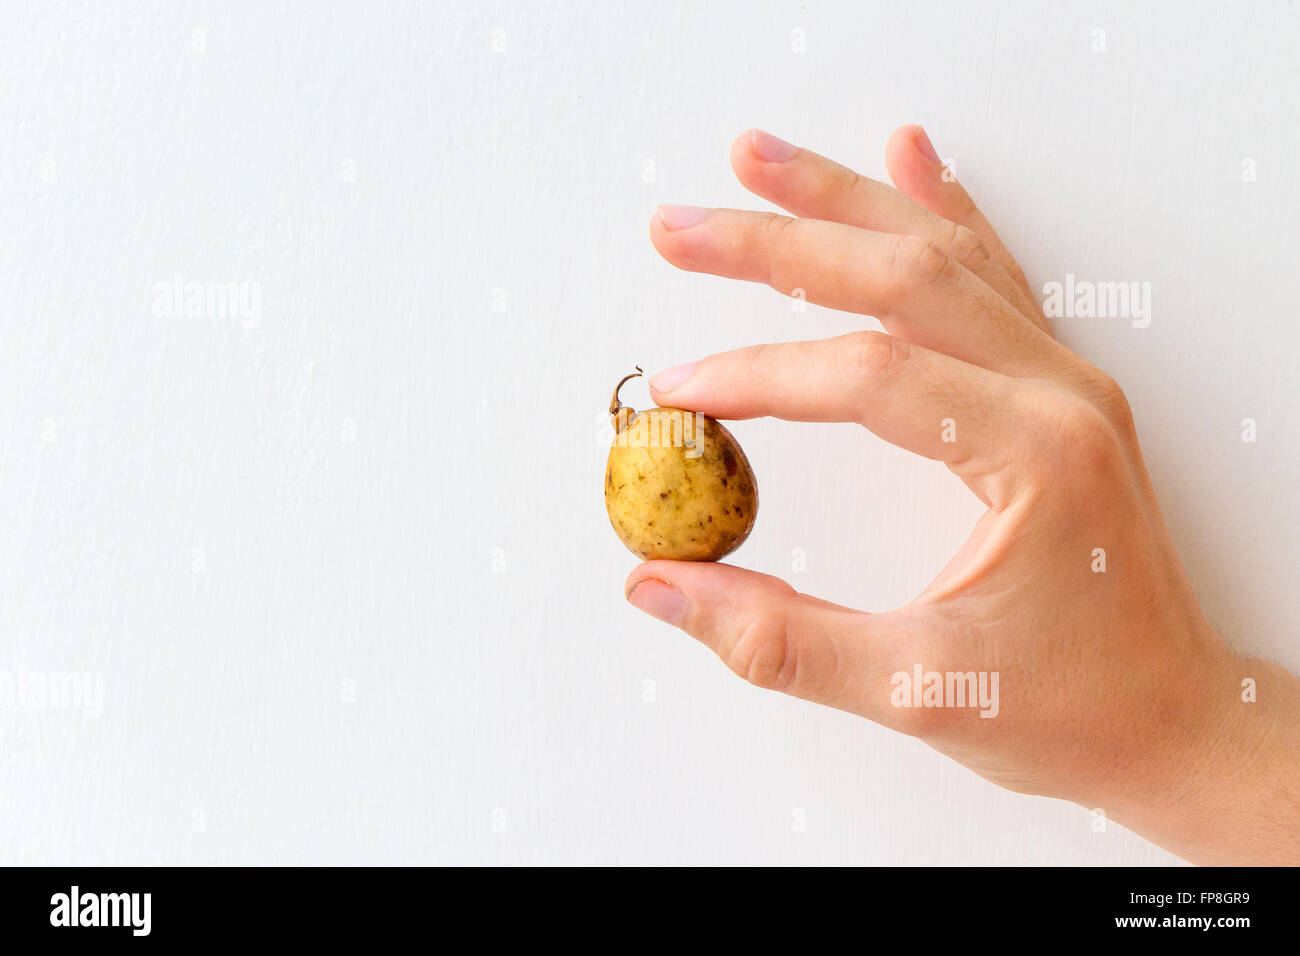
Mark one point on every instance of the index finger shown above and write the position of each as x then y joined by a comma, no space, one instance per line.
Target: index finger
927,402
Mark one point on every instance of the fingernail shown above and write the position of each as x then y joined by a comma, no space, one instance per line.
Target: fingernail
770,148
659,600
681,217
672,378
927,148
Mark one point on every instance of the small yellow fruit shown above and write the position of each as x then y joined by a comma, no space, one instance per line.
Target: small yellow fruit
677,484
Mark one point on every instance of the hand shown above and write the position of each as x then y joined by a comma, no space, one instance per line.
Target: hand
1112,688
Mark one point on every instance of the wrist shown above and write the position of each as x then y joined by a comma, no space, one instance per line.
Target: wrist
1224,786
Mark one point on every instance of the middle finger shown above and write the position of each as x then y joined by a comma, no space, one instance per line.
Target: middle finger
813,187
918,291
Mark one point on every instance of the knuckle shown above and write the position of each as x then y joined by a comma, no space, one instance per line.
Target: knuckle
919,261
772,246
841,180
966,245
846,182
869,355
1089,445
762,654
755,359
1110,398
774,228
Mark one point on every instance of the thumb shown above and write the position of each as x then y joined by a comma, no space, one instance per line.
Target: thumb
775,637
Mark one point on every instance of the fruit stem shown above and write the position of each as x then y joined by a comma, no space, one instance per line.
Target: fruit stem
615,406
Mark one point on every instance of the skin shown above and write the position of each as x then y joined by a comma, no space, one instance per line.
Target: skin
1115,691
667,502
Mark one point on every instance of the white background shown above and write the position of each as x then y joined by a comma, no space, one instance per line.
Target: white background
412,646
